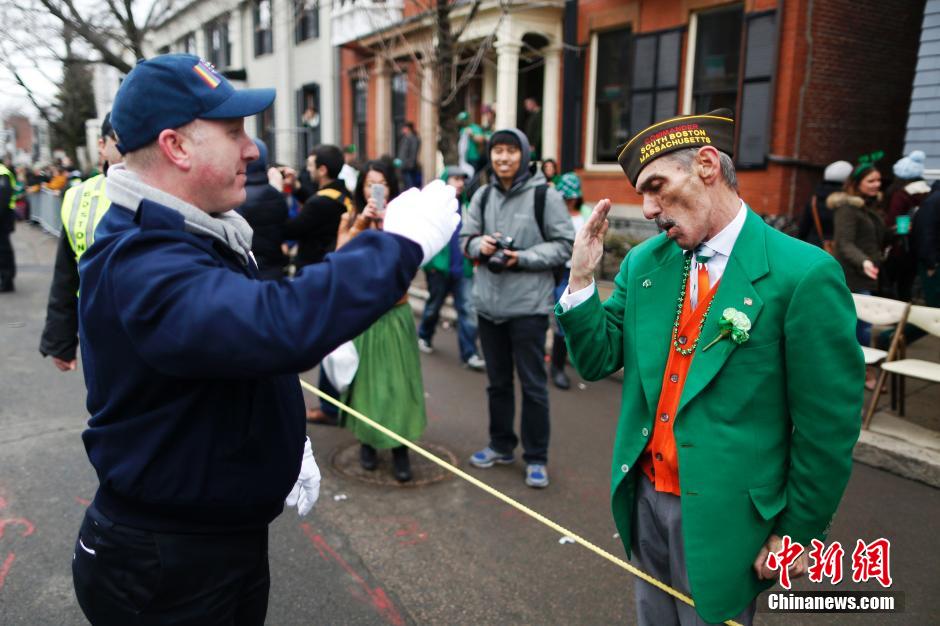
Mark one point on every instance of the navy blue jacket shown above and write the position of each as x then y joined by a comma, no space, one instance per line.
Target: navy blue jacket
191,363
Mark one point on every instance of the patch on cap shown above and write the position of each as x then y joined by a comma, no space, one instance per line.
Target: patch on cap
207,73
714,129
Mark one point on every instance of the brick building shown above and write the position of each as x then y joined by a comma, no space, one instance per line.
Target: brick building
810,81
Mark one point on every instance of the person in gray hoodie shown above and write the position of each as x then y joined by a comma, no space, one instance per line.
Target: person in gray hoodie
517,250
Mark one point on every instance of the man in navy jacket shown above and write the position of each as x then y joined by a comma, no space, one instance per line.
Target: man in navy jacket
197,418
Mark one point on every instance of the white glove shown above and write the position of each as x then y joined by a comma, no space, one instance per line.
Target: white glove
307,488
428,217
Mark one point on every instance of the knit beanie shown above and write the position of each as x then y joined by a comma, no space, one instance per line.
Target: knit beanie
911,167
837,172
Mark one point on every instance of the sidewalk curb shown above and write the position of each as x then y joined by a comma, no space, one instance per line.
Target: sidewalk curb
898,456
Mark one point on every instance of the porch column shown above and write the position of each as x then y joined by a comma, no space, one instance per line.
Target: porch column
383,107
551,96
489,83
428,128
507,77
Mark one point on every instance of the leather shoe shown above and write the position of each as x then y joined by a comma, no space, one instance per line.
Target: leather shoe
319,416
560,379
402,464
368,458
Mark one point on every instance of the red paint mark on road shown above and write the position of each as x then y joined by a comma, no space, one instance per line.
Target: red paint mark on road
408,531
5,568
82,501
28,527
3,502
376,597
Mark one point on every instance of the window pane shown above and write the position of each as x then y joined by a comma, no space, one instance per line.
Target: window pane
670,48
641,112
761,35
753,124
612,94
665,104
709,102
644,68
717,53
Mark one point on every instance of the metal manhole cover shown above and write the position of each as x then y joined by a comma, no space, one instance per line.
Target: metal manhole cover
345,460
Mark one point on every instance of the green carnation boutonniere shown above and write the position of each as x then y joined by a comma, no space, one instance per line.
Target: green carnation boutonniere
734,324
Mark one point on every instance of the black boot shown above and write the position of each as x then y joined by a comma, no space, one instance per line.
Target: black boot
6,282
559,359
560,378
367,457
402,464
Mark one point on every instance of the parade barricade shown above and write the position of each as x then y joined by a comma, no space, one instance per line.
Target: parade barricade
45,210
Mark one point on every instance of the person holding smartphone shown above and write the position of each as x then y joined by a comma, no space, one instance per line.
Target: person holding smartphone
388,386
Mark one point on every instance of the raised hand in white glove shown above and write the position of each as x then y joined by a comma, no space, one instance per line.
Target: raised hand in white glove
307,488
428,217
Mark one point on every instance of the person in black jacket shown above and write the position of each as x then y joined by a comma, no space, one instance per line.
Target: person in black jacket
315,226
833,179
59,338
314,229
925,233
265,210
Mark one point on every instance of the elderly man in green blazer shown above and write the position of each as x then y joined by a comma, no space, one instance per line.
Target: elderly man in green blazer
741,400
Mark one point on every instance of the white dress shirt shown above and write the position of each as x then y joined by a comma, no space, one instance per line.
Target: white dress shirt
721,244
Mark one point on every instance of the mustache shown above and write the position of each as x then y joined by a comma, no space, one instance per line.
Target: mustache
664,224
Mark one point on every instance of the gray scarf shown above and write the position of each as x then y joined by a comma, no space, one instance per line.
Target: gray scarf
128,190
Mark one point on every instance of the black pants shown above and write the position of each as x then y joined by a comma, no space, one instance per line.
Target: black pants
7,260
125,576
518,342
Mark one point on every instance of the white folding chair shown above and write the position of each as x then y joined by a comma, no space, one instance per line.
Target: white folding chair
927,319
881,312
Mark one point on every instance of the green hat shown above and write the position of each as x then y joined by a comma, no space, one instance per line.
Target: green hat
714,129
463,116
569,186
350,149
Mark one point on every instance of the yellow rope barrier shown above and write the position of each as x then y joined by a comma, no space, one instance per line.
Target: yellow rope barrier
500,495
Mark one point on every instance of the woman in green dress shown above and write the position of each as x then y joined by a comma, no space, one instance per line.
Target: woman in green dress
388,386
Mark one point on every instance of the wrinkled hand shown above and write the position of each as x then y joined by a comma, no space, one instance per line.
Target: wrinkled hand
428,217
775,544
870,269
307,488
63,365
589,247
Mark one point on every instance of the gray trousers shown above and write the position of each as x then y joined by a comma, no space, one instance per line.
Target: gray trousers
659,551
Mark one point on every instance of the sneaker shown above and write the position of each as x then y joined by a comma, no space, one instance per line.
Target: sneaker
488,456
425,346
536,475
475,363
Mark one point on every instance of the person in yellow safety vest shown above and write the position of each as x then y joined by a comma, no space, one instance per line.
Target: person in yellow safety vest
7,223
83,206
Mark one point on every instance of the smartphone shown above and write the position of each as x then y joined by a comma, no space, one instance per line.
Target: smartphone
378,196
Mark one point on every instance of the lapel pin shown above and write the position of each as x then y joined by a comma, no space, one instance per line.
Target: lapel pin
647,283
748,302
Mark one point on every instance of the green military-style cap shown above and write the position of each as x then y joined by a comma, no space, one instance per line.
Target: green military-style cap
714,129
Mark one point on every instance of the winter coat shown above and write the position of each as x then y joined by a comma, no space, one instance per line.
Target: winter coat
859,236
808,231
265,210
527,289
315,226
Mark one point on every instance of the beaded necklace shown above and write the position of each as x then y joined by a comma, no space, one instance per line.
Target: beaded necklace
686,268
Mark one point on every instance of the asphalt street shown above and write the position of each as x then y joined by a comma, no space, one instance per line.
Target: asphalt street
442,553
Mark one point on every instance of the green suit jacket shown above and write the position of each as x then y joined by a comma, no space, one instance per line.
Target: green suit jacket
765,429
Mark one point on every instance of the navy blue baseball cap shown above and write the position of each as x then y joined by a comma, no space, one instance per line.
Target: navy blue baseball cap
171,90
